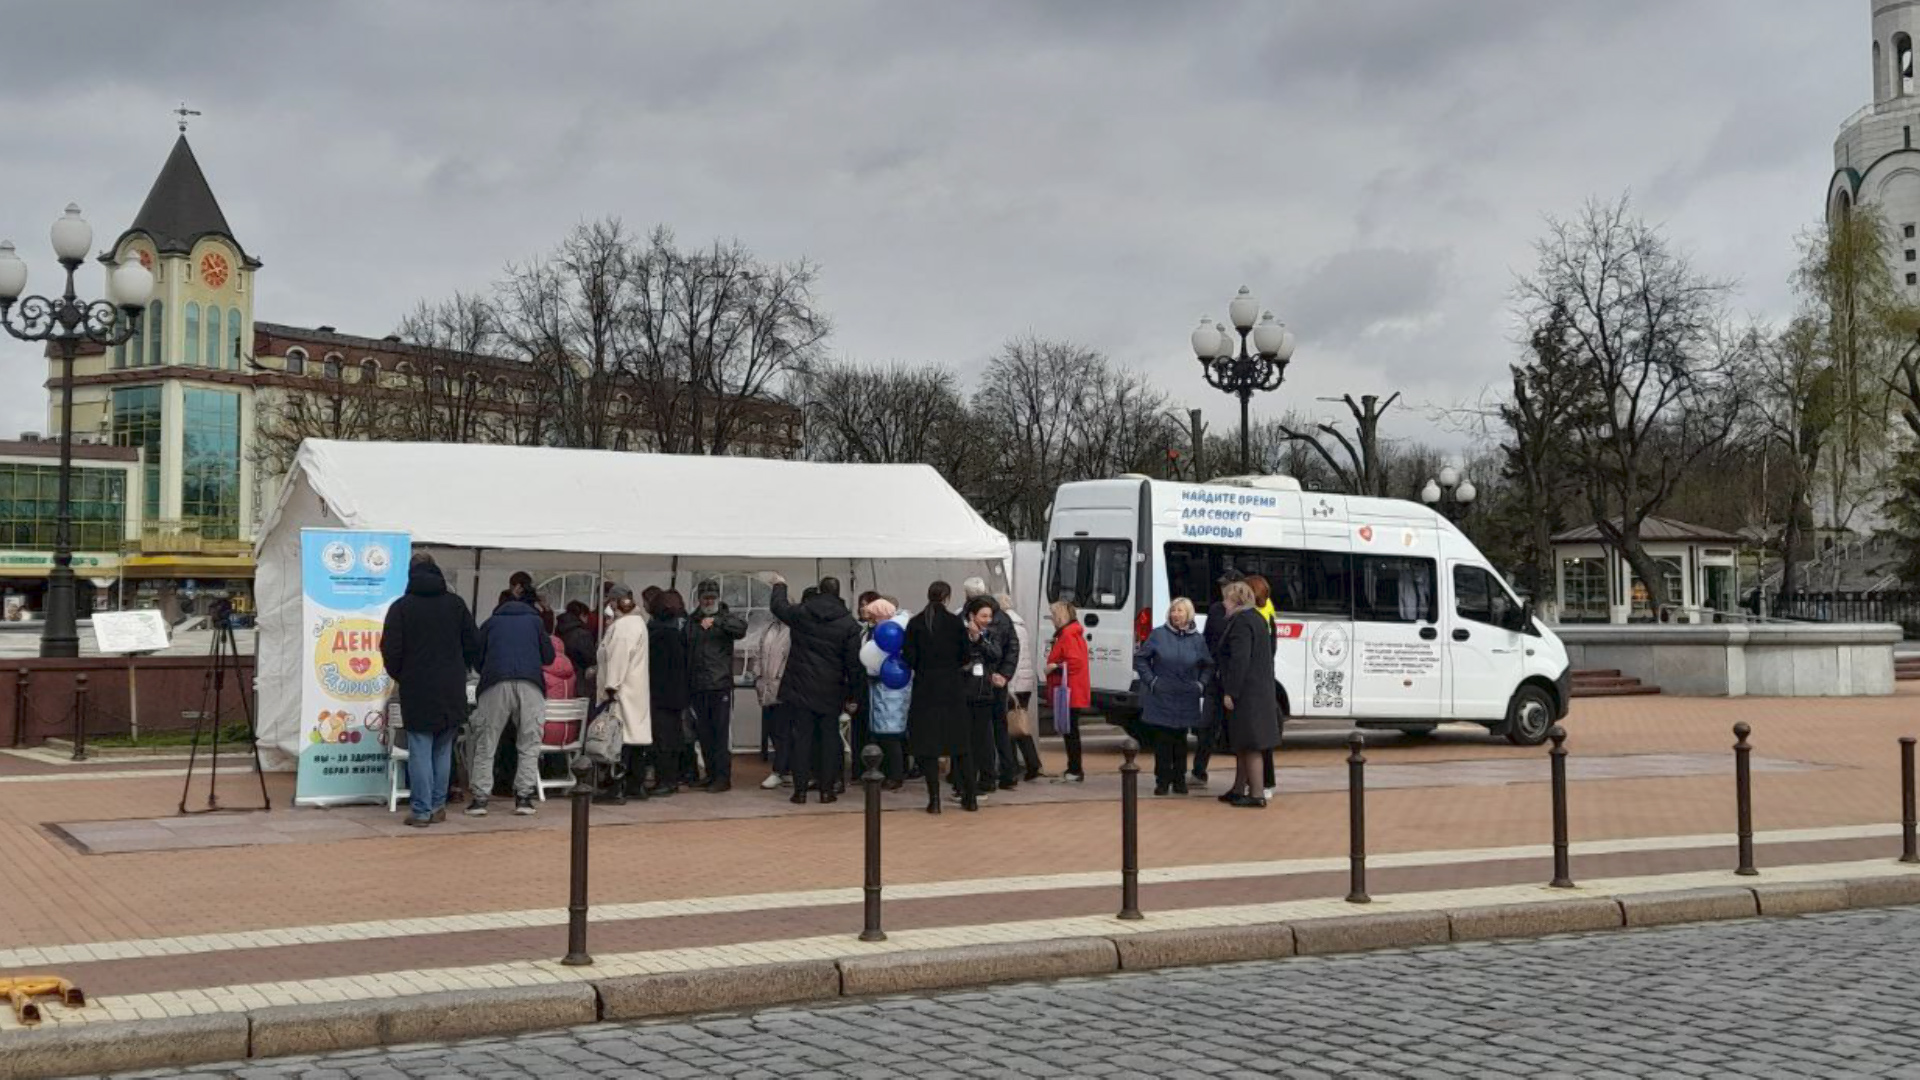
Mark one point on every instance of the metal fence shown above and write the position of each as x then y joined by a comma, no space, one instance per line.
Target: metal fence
1850,607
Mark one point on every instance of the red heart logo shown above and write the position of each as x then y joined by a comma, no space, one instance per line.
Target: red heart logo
360,665
1366,533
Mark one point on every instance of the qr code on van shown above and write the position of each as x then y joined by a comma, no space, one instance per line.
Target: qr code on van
1329,689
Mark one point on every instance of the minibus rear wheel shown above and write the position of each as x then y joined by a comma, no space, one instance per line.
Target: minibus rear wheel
1529,716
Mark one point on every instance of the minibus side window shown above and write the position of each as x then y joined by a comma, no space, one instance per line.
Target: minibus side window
1303,582
1094,574
1394,590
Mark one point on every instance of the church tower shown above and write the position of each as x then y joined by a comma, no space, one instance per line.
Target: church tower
1875,161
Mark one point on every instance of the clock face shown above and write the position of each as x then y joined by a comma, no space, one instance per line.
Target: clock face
213,270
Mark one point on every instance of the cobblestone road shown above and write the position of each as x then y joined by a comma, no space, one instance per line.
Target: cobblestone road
1826,996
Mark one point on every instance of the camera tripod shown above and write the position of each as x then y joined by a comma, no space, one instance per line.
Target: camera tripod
223,657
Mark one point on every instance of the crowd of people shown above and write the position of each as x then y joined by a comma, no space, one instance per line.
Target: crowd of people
973,699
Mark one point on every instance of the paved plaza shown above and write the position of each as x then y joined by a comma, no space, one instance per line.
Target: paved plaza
1827,996
158,915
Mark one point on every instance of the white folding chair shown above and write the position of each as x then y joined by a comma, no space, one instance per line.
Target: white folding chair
396,757
570,715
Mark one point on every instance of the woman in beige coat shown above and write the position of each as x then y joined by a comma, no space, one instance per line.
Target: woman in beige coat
623,677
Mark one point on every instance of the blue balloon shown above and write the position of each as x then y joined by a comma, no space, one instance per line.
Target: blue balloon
890,636
894,674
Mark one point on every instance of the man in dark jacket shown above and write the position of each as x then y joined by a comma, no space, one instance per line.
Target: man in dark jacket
428,645
576,636
711,631
1001,767
823,673
514,646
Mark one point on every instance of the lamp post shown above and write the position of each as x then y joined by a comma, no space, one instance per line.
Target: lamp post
1451,494
66,322
1231,367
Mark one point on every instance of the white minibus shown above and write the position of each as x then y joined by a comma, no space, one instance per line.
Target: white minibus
1386,615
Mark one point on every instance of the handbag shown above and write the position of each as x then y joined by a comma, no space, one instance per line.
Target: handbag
1062,708
1019,722
606,736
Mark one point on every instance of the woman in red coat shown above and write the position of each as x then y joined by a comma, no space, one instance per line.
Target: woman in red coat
1067,665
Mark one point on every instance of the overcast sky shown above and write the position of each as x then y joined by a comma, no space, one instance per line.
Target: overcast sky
1375,170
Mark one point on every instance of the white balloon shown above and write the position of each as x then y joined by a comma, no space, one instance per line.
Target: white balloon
872,656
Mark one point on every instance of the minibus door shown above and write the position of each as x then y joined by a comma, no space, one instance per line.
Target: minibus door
1485,654
1396,626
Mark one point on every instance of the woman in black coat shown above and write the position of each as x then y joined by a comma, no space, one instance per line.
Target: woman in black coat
670,688
1247,692
939,722
983,659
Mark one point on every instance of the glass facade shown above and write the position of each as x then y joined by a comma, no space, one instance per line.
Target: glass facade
210,467
30,507
136,422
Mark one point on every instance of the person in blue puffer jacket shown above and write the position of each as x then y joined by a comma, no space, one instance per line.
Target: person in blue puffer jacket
887,719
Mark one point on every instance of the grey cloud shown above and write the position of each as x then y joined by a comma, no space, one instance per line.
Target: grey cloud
1084,168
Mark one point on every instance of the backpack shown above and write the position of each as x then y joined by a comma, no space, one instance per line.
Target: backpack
606,735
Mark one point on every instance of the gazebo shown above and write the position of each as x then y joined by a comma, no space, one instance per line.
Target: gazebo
1699,565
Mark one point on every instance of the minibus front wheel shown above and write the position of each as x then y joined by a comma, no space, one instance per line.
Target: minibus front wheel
1529,716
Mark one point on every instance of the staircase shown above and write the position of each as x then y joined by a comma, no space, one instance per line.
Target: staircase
1608,682
1905,668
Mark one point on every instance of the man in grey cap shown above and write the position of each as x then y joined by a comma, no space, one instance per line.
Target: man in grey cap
711,631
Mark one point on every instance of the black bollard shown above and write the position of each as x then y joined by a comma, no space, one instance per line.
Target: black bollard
870,757
80,718
20,707
1130,832
1909,819
1562,861
1743,790
1357,818
582,796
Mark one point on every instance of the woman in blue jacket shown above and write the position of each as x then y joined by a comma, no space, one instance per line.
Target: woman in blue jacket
1172,667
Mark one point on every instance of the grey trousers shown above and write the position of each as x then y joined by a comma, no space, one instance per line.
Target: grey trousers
525,706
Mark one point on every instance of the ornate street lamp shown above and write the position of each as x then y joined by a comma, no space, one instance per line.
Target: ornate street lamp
1452,495
1228,364
66,322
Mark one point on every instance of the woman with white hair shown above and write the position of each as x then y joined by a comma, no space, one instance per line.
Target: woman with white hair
1247,693
626,683
887,708
1172,665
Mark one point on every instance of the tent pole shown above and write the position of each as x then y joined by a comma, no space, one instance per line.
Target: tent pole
473,601
673,573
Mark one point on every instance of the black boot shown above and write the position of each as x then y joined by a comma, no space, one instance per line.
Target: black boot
932,774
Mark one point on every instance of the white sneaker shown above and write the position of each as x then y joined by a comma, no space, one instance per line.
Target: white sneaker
786,779
1270,792
772,781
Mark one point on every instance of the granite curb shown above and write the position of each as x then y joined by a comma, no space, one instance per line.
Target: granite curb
64,1050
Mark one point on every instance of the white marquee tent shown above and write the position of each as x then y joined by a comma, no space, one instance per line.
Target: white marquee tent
640,519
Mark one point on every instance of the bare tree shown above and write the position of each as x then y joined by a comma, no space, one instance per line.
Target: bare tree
1645,331
1358,468
885,415
1029,400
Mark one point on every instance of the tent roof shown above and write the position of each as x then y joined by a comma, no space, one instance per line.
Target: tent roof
608,502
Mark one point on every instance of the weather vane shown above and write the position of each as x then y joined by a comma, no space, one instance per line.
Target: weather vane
183,113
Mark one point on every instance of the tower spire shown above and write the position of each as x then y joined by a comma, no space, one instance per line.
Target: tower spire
184,113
